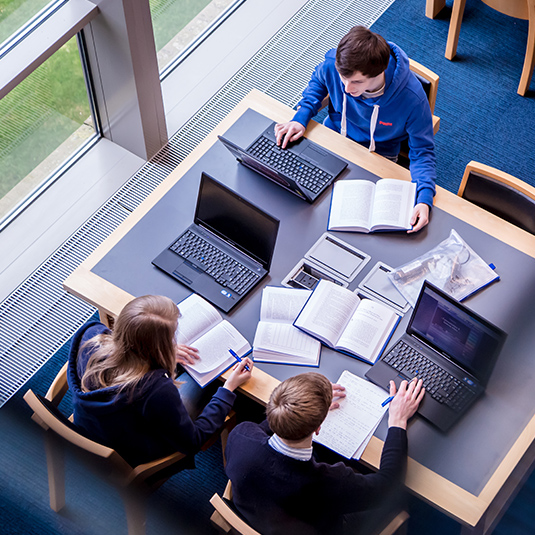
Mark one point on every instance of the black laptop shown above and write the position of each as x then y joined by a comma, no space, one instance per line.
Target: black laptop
303,167
227,249
451,348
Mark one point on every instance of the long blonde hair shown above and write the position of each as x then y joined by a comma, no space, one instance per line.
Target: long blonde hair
143,339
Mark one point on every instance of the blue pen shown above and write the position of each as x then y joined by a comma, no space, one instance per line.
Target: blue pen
387,401
235,355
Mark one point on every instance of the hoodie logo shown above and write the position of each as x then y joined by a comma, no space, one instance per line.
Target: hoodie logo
385,124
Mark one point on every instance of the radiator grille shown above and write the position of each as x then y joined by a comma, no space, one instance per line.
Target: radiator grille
39,316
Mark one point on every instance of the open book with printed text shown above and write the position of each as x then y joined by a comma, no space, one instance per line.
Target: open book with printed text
276,339
346,322
363,206
201,326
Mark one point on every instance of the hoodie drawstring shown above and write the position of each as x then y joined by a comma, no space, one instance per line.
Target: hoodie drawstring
373,122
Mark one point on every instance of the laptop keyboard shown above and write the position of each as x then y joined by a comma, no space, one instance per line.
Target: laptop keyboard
441,385
220,266
303,172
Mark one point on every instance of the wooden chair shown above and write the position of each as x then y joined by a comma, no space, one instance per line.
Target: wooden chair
429,81
520,9
226,519
499,193
134,483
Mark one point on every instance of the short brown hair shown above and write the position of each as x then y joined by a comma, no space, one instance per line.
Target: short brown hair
298,406
361,50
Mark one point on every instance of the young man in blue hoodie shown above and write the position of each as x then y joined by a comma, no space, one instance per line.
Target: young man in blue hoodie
375,100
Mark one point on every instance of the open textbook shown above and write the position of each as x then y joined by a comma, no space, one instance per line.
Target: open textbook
276,339
346,322
201,326
363,206
348,429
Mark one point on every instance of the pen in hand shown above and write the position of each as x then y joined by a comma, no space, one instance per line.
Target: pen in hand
387,401
235,355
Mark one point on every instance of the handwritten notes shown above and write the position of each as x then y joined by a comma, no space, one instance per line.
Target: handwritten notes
348,430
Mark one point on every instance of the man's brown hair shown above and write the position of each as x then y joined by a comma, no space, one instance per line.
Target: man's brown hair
298,406
361,50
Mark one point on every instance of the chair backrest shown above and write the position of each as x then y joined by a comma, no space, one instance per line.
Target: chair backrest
51,418
499,193
429,81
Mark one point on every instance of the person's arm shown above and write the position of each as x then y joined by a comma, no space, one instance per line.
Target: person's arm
307,108
422,162
166,412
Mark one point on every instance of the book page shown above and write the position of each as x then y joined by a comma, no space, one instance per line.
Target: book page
394,203
327,312
351,205
282,304
285,339
345,429
368,329
214,347
196,317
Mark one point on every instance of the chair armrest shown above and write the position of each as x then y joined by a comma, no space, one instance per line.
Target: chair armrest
231,517
59,387
143,471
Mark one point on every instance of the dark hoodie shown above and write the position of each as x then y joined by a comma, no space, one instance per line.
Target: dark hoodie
146,423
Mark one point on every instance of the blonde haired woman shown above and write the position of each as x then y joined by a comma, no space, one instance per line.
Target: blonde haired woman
124,390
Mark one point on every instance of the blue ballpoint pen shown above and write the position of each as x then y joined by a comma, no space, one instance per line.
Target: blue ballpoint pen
387,401
235,355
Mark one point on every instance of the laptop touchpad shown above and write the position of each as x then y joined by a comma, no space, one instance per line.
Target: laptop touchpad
186,272
313,154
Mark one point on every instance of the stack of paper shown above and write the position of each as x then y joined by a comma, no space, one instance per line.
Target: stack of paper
348,429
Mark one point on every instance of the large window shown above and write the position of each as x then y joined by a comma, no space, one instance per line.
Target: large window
45,119
14,14
177,23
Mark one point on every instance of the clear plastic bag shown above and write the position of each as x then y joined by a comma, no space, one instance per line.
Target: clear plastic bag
452,266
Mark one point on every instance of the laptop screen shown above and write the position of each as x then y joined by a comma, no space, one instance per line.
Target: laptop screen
237,221
463,336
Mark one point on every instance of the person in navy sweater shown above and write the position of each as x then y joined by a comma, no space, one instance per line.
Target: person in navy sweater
375,100
280,488
124,390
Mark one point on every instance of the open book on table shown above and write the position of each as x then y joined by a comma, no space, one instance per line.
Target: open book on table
276,339
363,206
201,326
348,429
346,322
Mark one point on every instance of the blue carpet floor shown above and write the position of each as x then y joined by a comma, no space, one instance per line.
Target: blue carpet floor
482,118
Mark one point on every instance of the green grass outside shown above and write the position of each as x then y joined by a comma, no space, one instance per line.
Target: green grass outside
51,104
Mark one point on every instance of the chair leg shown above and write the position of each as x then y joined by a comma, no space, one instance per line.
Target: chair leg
55,462
455,28
433,7
135,505
529,60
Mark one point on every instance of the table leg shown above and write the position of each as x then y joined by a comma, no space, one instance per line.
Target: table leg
433,7
455,27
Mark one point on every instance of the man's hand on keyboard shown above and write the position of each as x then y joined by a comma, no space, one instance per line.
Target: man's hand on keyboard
405,403
186,354
287,132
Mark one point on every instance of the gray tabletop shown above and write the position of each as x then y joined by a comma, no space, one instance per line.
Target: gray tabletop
470,452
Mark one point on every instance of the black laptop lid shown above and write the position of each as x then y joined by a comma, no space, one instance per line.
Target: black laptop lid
457,332
236,220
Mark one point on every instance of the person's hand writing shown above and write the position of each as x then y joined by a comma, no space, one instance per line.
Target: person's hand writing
338,393
286,132
420,217
239,374
405,403
186,354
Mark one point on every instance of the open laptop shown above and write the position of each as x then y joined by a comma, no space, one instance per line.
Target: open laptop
303,167
451,348
227,249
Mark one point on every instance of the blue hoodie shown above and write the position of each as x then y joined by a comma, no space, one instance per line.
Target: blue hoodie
403,112
145,424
